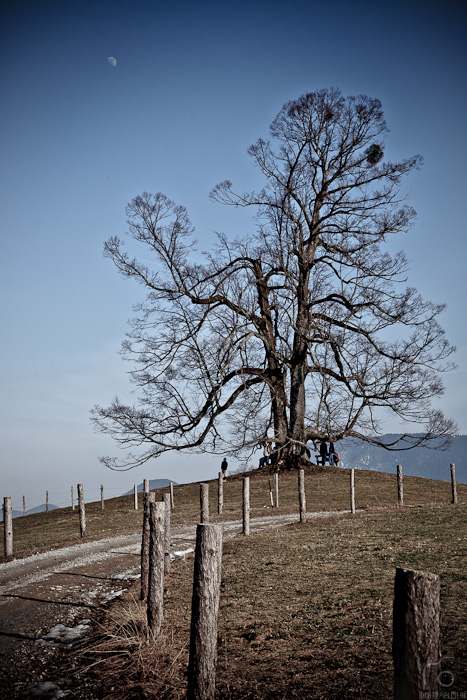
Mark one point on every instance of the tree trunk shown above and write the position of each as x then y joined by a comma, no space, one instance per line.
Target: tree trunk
204,502
204,613
8,526
155,606
148,499
416,635
166,499
82,511
301,495
246,505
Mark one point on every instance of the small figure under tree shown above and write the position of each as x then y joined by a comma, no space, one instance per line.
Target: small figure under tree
303,328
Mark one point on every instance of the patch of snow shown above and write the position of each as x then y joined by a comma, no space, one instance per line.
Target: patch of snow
181,553
113,594
60,634
45,690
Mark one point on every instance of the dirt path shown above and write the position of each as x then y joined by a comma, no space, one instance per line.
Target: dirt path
68,587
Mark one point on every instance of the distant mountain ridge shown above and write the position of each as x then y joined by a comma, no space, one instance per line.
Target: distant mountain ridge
153,485
419,461
37,509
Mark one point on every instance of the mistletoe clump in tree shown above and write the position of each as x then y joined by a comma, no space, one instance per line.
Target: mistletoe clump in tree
302,331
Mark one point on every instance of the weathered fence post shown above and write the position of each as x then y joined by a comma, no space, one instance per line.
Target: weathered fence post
204,500
46,501
204,612
155,605
416,635
166,498
220,493
148,499
400,485
301,495
172,495
82,511
24,505
102,496
246,505
136,497
352,491
453,483
276,490
8,526
72,498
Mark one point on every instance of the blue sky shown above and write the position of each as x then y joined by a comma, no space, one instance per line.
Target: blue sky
195,84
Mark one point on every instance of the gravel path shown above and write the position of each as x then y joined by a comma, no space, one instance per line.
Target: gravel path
46,600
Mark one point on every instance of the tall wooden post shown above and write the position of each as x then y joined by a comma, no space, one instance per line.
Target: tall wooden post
453,484
102,496
352,491
204,612
148,498
301,495
172,495
204,499
155,606
166,498
7,526
276,490
24,505
220,493
72,498
136,497
82,511
46,501
246,505
416,635
400,486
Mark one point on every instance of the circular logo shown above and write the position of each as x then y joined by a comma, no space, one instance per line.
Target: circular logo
446,679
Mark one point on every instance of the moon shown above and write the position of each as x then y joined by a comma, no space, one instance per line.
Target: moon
112,61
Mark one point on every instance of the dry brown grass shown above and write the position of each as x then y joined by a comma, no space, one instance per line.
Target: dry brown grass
326,489
306,611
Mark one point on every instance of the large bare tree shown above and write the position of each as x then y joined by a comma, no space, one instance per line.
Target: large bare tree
302,331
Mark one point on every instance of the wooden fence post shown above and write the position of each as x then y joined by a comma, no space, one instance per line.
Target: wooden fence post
24,505
204,612
301,495
204,499
246,505
166,498
276,490
155,605
7,526
148,498
352,491
82,511
416,635
400,486
453,484
102,496
72,498
220,493
136,497
172,495
46,501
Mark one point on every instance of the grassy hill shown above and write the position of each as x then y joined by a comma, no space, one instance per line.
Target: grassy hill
326,489
306,609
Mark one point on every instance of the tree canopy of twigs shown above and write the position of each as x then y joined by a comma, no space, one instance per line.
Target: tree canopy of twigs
304,330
